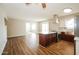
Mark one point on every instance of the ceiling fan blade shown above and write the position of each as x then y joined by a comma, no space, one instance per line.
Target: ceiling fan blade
43,5
27,3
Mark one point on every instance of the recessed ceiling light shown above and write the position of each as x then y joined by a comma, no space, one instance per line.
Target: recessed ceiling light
67,10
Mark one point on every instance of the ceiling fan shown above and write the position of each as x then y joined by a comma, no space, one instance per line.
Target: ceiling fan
42,4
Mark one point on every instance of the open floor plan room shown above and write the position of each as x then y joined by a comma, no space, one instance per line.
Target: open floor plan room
39,28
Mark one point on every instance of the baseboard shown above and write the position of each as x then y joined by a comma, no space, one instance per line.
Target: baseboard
15,36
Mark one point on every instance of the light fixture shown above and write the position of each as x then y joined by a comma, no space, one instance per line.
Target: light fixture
67,10
56,18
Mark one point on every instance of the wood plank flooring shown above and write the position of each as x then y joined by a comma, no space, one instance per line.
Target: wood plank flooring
18,46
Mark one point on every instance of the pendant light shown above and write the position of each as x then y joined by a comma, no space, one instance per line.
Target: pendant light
56,18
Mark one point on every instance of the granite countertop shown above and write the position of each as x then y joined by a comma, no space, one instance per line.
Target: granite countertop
47,32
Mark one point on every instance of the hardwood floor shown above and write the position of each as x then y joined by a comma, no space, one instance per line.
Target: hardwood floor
18,46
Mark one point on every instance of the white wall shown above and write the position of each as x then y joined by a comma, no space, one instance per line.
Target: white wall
3,35
16,28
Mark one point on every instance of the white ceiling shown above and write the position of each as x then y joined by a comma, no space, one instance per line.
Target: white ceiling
35,12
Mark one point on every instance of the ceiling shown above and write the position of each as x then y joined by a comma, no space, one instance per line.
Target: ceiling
35,12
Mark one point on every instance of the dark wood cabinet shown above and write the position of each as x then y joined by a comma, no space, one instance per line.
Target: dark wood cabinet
67,37
47,39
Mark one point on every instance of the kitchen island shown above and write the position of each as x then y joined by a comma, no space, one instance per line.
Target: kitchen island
48,38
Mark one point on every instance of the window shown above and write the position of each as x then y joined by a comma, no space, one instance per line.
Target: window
34,27
31,27
45,27
69,24
28,26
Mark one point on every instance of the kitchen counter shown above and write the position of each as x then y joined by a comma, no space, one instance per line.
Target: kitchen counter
46,32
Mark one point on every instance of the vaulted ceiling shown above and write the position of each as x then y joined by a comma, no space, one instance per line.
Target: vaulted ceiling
35,12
